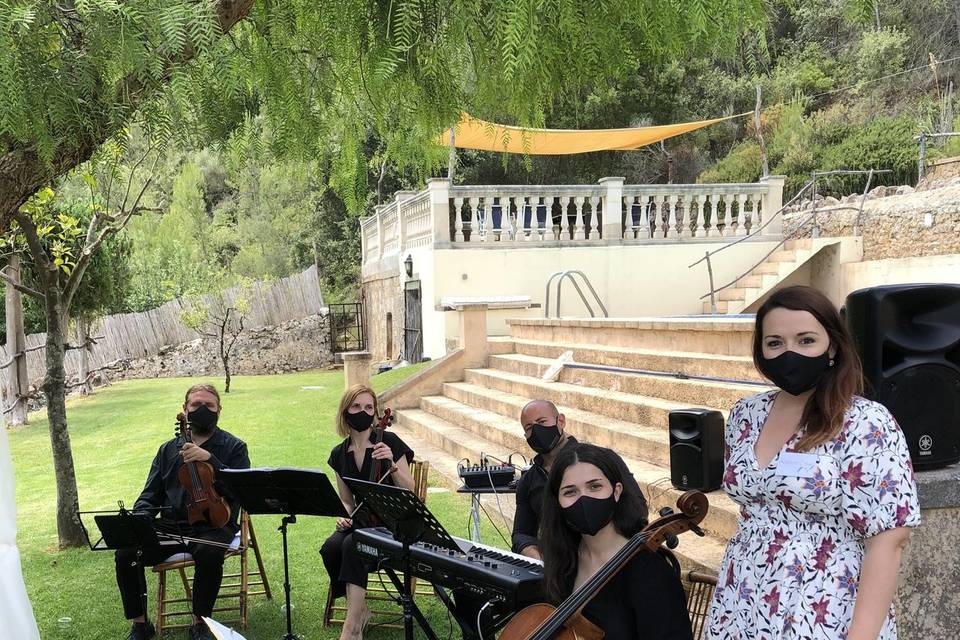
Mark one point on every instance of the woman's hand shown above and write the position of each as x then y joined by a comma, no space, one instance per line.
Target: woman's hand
344,523
381,452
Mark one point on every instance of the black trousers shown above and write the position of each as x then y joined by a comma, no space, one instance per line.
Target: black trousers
344,565
207,575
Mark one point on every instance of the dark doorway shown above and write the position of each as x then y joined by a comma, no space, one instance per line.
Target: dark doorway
413,322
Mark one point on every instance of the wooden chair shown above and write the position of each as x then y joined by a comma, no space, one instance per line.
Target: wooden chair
380,589
174,609
699,587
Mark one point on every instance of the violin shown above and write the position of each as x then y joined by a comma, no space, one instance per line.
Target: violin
205,505
565,621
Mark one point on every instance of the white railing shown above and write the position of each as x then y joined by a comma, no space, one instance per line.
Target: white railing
565,215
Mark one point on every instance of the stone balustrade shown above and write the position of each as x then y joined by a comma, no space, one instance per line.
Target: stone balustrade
481,216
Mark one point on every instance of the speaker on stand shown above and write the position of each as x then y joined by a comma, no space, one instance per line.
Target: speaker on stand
908,339
696,449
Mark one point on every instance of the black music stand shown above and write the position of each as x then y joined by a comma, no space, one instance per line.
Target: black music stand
123,529
286,492
409,520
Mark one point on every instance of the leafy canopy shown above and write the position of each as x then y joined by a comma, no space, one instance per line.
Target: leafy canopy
323,74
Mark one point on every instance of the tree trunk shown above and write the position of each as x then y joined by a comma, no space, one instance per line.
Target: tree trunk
83,335
69,530
17,378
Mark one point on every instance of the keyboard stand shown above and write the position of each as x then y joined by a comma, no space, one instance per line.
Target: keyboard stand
409,520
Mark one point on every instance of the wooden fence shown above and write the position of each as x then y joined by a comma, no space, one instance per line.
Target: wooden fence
138,335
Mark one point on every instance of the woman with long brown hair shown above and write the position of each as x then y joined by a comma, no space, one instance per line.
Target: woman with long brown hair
354,458
587,518
825,487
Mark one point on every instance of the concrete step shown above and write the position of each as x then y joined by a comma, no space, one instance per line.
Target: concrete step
732,293
415,425
701,364
719,395
750,282
615,404
720,336
493,415
783,256
799,243
723,306
766,268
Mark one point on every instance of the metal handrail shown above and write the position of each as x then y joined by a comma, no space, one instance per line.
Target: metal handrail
570,273
811,217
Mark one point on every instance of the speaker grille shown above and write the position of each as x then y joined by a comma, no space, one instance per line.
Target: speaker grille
925,400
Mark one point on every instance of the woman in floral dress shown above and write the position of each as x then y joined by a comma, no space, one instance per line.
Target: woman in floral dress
825,487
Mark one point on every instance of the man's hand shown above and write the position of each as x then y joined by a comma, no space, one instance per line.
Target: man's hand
344,523
531,551
192,453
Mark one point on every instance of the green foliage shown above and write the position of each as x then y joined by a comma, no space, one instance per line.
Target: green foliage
881,53
742,164
882,143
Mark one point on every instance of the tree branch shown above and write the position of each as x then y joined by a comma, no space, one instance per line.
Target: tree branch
33,293
40,258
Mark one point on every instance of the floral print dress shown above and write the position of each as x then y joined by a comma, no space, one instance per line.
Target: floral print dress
791,570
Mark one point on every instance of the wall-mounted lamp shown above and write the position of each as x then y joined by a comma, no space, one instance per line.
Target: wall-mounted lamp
408,266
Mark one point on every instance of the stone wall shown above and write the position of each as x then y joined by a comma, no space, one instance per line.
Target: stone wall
897,222
381,296
292,346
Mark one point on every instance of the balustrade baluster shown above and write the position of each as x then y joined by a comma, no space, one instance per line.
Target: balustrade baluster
594,217
564,219
474,227
717,219
674,220
741,200
643,230
578,231
458,219
628,228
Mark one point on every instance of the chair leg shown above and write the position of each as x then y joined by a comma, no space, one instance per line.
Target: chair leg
161,601
328,608
260,567
186,582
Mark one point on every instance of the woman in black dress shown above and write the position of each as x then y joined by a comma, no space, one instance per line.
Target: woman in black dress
353,458
587,518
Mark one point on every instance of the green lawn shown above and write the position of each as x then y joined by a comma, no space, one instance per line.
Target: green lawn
115,434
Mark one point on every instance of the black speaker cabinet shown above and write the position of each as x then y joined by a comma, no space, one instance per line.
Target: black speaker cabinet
908,338
696,449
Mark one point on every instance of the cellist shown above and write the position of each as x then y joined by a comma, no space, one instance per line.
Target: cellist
165,493
381,457
587,518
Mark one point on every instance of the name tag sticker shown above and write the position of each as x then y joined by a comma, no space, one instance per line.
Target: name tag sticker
800,465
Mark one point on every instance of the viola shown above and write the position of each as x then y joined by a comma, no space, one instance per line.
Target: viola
376,436
565,621
205,504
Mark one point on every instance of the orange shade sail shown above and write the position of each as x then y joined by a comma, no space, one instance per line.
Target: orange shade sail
472,133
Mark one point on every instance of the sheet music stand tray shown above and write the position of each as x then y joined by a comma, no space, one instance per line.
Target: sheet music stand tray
286,492
409,520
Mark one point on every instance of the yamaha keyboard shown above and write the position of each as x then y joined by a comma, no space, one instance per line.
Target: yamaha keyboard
475,569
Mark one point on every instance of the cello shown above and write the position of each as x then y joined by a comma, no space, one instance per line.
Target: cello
205,504
565,622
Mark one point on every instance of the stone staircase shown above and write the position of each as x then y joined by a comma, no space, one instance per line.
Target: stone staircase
746,293
624,411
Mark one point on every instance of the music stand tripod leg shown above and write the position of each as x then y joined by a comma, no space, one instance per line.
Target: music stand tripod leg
286,574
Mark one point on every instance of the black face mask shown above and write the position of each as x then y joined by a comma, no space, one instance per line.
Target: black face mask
359,421
796,373
202,420
544,437
588,515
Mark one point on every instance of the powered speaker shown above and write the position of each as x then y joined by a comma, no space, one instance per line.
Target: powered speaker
908,339
696,449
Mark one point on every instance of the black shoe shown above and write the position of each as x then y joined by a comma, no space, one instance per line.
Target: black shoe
199,631
141,631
